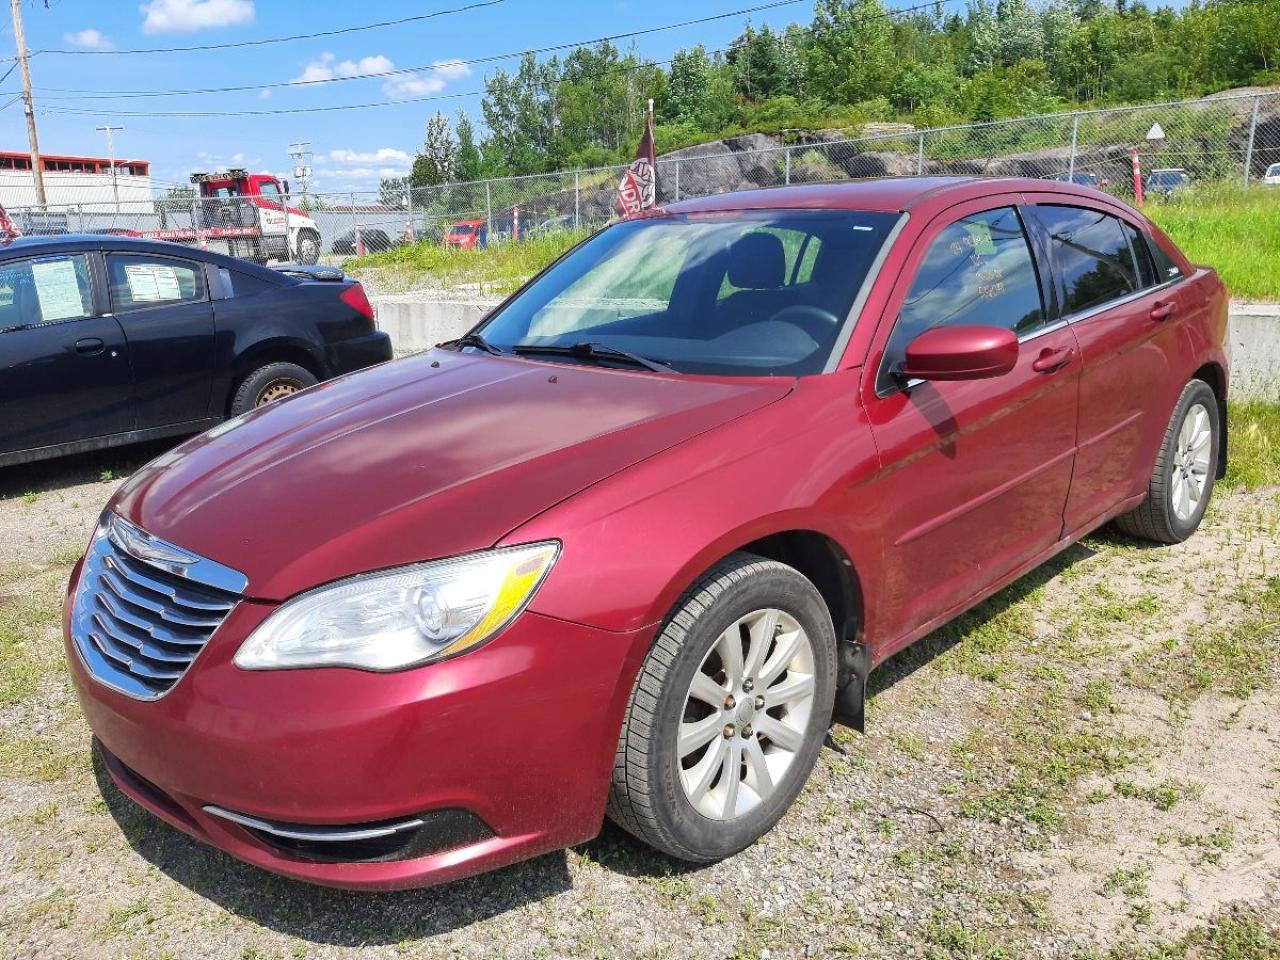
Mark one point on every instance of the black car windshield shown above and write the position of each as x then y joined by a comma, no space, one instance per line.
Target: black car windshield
747,294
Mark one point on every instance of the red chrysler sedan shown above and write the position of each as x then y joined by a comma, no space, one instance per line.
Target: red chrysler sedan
629,546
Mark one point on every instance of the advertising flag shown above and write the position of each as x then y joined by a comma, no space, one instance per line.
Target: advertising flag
638,190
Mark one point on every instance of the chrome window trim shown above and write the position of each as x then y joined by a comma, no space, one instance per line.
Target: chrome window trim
1121,301
864,293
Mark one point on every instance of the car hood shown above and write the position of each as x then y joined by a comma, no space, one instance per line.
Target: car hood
426,457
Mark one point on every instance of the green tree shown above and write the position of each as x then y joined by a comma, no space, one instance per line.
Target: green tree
687,85
434,164
851,55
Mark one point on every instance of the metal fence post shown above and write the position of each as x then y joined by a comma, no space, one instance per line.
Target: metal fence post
677,165
488,209
786,174
577,199
1253,131
920,156
1075,139
284,206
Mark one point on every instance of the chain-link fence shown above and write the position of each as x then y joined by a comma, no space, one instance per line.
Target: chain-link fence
1226,139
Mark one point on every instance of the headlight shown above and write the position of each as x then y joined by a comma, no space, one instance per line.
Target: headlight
403,617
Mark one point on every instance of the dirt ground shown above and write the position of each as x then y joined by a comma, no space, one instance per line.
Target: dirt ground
1088,765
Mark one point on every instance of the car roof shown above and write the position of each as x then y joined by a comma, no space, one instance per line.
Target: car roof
887,194
28,246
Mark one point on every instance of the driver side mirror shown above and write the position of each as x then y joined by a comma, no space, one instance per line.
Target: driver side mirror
961,352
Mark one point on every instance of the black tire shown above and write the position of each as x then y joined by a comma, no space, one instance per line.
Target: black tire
264,383
648,798
308,251
1155,518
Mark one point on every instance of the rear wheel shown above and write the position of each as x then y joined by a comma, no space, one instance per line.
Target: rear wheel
1182,481
728,714
270,383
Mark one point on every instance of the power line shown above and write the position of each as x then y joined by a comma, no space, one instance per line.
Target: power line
930,4
300,36
402,71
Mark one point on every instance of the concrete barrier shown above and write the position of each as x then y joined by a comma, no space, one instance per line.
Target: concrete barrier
1254,349
416,323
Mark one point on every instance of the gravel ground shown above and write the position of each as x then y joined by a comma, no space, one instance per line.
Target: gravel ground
1089,762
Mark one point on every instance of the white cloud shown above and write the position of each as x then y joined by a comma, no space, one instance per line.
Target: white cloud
187,16
426,83
399,87
385,155
87,40
328,68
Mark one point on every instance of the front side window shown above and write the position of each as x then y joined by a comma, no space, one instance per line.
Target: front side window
269,190
751,294
977,270
139,282
44,290
1092,254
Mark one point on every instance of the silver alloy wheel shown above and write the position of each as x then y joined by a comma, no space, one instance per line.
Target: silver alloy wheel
1191,462
746,713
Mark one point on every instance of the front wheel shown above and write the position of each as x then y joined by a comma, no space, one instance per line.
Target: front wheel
728,713
1182,482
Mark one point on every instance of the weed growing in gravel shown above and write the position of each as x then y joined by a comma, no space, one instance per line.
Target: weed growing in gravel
1131,881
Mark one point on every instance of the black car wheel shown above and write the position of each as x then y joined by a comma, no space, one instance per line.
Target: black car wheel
270,383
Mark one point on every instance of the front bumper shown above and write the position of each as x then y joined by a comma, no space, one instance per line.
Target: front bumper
518,736
348,356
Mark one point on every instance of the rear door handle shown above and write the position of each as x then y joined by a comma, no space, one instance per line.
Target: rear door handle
1163,311
1051,360
89,346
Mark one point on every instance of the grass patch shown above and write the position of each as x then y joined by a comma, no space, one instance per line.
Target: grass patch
494,270
1232,229
1253,442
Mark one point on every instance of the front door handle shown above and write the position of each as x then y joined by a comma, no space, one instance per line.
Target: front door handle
1051,360
1163,311
90,346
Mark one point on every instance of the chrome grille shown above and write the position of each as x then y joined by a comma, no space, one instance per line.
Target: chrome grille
145,609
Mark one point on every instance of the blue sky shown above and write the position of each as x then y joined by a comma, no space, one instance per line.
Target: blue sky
353,149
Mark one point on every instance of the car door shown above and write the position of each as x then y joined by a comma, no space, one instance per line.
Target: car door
974,474
1120,311
64,365
163,306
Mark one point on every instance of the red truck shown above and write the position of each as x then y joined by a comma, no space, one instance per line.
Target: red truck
243,214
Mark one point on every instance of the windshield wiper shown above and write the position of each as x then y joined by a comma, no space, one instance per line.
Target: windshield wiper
593,351
472,340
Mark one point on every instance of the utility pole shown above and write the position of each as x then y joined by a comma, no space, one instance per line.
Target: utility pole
21,40
111,156
301,169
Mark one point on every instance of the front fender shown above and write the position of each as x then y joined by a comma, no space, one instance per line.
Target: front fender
636,541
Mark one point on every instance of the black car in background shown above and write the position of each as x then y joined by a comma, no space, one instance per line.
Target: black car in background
109,340
375,241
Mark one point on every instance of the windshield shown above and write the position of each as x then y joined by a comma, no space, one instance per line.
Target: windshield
750,294
461,230
1167,178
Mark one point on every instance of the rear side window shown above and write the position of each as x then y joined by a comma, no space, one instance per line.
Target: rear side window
44,290
244,285
1092,254
977,270
1165,268
140,282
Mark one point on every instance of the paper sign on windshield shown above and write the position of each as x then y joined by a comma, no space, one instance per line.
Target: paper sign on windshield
152,282
58,290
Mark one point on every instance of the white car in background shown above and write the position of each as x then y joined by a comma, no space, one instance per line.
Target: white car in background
1272,175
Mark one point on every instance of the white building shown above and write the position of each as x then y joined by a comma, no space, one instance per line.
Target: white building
84,182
